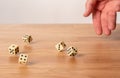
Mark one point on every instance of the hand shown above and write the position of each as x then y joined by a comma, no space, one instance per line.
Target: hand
104,14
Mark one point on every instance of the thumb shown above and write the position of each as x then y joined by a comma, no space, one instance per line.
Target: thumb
89,7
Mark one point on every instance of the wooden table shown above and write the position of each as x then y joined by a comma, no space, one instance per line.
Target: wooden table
98,56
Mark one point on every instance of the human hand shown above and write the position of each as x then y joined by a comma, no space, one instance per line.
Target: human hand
104,14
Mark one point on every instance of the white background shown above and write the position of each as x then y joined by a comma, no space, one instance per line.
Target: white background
43,11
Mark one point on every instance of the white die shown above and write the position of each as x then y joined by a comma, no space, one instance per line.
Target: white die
60,46
23,58
71,51
13,49
27,38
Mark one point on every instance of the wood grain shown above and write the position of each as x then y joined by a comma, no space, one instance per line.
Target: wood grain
98,56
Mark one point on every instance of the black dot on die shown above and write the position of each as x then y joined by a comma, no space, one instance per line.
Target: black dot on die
20,58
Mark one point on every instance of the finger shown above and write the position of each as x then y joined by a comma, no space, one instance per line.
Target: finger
104,23
97,22
112,20
89,7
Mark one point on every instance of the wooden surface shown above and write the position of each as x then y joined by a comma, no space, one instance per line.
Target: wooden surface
98,56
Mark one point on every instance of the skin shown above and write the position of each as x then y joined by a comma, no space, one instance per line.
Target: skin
104,14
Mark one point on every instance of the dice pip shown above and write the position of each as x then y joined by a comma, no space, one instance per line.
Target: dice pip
23,58
13,49
71,51
27,38
60,46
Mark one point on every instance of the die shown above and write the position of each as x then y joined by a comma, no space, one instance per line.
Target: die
27,38
13,49
71,51
60,46
23,58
